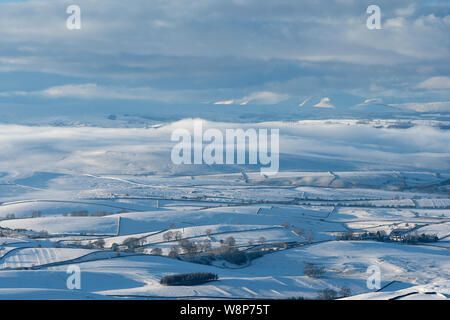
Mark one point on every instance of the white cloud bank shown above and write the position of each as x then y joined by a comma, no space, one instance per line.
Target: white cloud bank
260,97
435,83
301,104
443,106
154,39
94,91
325,103
136,150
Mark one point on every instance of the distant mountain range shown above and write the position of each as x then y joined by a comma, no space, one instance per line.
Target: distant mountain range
110,112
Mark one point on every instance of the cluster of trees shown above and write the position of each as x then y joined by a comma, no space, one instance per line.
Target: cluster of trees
195,251
189,279
133,244
36,214
366,203
186,247
377,236
228,251
300,232
314,271
330,294
415,238
129,245
85,213
261,241
99,244
43,234
382,236
202,251
40,234
192,248
156,252
170,235
80,213
350,235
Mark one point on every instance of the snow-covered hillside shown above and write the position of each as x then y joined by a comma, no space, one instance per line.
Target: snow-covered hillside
261,235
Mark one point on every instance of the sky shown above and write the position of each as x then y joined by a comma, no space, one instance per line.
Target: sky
221,56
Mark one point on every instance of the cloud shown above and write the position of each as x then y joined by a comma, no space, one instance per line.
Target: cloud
84,91
394,22
425,107
304,101
94,91
264,97
321,46
435,83
406,11
260,97
225,102
134,150
325,103
373,101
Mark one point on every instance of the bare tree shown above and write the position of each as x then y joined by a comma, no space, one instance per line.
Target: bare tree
310,236
100,243
299,231
345,292
327,294
168,236
178,235
313,271
204,245
36,214
43,234
230,242
132,244
174,252
190,248
156,251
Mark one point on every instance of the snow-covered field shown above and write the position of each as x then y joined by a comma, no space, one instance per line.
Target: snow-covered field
274,149
80,196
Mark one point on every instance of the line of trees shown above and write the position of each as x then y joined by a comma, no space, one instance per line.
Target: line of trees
188,279
330,294
202,251
383,237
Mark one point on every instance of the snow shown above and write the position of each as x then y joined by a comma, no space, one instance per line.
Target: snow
34,257
278,275
66,225
125,173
